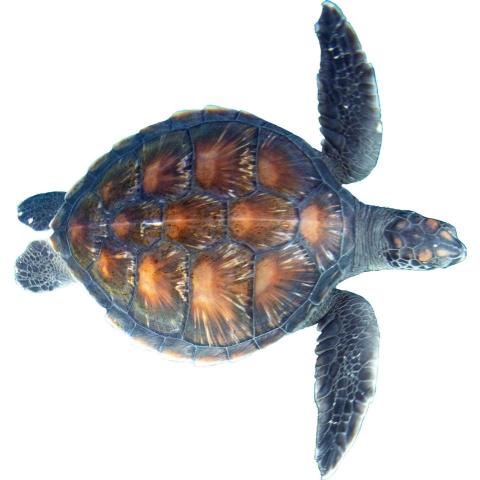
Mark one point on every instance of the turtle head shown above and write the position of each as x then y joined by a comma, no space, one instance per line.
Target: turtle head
415,242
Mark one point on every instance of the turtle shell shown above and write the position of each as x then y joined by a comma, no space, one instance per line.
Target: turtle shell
208,235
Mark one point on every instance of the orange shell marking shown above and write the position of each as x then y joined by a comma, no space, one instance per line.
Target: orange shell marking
166,165
221,288
162,288
140,223
224,158
283,280
284,168
321,225
119,182
114,271
263,220
197,221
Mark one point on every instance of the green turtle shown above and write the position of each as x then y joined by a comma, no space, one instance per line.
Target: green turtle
215,233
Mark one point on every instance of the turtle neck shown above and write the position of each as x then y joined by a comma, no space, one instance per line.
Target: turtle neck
370,242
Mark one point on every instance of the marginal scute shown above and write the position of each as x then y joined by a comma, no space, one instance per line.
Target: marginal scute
166,165
321,226
267,339
283,167
161,293
220,312
235,352
283,280
225,157
119,183
140,223
197,221
114,271
176,349
210,355
87,229
262,220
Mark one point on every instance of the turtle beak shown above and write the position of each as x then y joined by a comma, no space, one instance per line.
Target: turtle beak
456,250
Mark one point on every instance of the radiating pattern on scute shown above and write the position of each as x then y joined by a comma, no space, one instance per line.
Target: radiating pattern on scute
224,158
221,292
166,165
262,220
321,225
114,271
161,295
140,223
207,235
283,280
196,221
283,167
120,182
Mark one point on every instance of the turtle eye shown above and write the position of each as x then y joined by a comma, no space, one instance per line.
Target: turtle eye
419,243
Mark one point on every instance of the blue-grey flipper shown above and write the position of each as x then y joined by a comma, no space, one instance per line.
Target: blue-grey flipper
345,374
347,99
37,211
40,268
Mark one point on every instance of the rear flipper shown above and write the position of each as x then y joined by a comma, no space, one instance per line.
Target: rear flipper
39,268
38,211
345,375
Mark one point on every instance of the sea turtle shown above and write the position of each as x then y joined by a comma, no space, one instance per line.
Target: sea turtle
215,233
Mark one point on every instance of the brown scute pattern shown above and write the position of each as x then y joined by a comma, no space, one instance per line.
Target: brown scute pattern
114,271
283,280
283,167
161,293
166,165
196,221
321,225
119,183
140,223
86,230
200,246
224,158
221,291
262,220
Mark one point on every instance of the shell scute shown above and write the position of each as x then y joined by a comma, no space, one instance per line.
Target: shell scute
196,221
114,272
166,165
283,279
119,182
86,230
283,167
161,291
262,220
140,223
221,312
225,158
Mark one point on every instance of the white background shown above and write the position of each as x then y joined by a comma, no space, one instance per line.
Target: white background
78,399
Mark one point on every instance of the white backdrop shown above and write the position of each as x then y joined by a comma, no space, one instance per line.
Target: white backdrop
79,400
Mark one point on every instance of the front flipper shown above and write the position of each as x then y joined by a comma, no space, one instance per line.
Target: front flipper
38,211
348,100
345,374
